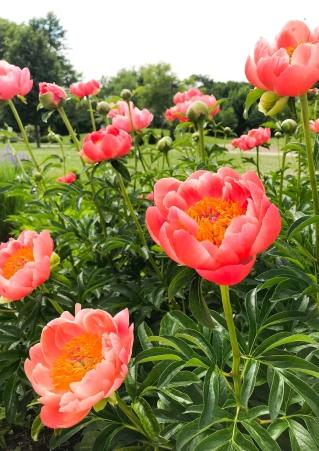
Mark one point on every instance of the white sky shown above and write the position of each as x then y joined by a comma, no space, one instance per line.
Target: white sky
211,37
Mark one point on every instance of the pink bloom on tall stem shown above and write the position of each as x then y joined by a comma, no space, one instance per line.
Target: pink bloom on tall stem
24,264
314,126
106,144
67,178
51,95
85,89
289,66
183,100
79,361
254,138
121,117
14,81
214,223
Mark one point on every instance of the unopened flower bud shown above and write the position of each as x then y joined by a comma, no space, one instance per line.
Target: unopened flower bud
197,112
278,135
103,107
271,104
126,95
164,144
37,176
289,126
195,137
227,131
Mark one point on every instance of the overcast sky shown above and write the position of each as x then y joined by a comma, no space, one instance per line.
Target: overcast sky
211,37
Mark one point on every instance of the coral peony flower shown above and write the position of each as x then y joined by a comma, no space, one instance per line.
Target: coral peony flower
121,118
290,66
85,89
106,144
314,126
254,138
67,178
14,81
183,100
79,361
214,223
24,264
51,95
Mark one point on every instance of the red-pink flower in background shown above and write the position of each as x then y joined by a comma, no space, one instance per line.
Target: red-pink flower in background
105,144
51,95
314,126
121,117
14,81
254,138
79,361
183,100
85,89
289,66
67,178
24,264
214,223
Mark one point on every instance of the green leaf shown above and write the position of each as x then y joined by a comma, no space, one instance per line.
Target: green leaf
251,310
280,339
146,416
210,397
292,362
143,332
198,306
304,389
158,353
301,223
105,437
36,428
63,435
249,381
252,97
197,339
276,395
182,278
302,436
313,428
261,436
215,441
121,169
168,374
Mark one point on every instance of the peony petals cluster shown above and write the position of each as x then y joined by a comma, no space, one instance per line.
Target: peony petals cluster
85,89
214,223
254,138
24,264
67,178
183,100
14,81
314,126
105,144
51,95
121,119
79,361
289,66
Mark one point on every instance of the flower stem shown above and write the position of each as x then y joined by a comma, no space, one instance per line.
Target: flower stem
138,153
201,143
258,161
137,224
69,127
224,289
311,163
91,113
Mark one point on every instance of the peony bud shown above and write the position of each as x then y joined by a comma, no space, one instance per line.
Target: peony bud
37,176
103,107
289,126
227,131
271,104
126,95
195,137
278,135
164,144
197,112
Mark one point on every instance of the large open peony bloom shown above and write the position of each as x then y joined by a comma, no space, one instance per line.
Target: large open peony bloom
85,89
254,138
51,95
314,126
290,66
121,118
105,144
14,81
183,100
79,361
214,223
24,264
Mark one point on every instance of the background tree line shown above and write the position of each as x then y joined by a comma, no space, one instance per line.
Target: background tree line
40,45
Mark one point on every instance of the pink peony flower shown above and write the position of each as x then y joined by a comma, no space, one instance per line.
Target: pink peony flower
214,223
51,95
14,81
85,89
24,264
183,100
314,126
105,144
67,178
255,137
290,66
79,361
121,118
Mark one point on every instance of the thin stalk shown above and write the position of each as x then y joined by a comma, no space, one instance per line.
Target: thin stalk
137,224
138,153
69,127
298,180
167,160
20,164
233,341
23,133
311,163
282,171
60,142
201,143
91,113
257,162
97,203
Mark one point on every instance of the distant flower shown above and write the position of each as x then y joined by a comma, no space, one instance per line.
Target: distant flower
67,178
121,117
85,89
80,360
14,81
314,126
254,138
51,95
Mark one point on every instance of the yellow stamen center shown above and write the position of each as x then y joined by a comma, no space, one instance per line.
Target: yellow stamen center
290,51
17,261
78,356
213,217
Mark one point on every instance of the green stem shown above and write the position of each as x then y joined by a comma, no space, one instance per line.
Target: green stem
167,160
23,134
57,307
224,289
69,127
282,171
137,224
138,153
311,163
60,142
97,203
257,162
201,143
91,113
299,180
